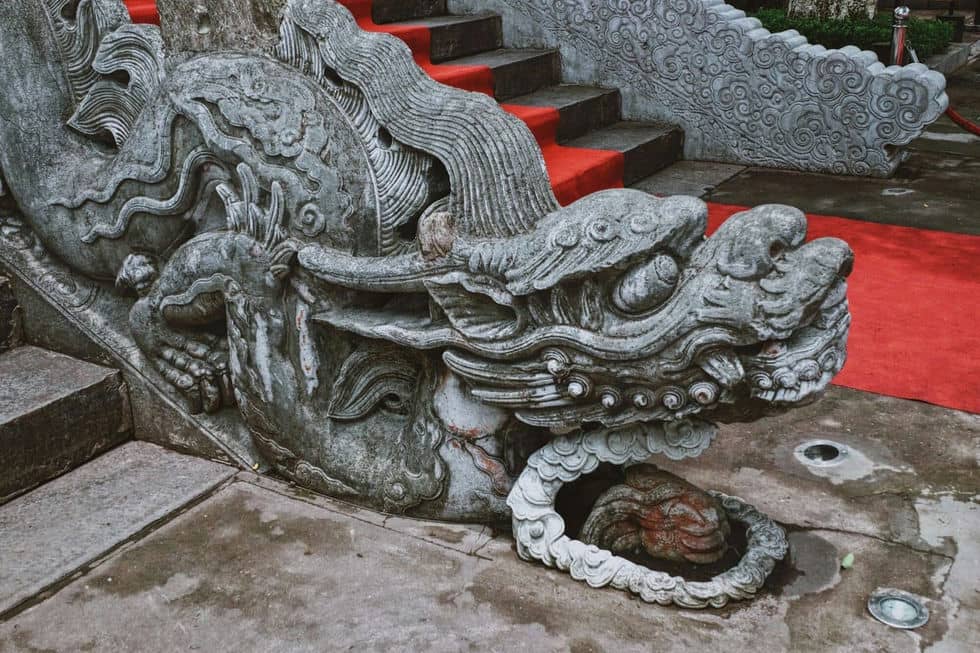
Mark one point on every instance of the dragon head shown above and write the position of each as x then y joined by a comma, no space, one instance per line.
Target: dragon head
617,309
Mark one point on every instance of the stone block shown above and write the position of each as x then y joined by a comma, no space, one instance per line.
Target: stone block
212,25
48,535
646,146
581,108
517,72
56,412
390,11
10,324
65,312
461,36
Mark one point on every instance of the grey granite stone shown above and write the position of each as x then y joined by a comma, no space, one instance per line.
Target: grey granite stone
373,269
930,191
741,94
50,534
56,412
388,11
451,37
580,108
66,312
10,321
517,72
191,26
646,146
275,574
695,178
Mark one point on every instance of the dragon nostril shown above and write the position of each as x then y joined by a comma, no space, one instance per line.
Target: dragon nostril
776,250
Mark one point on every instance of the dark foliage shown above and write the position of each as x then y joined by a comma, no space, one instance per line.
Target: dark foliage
928,37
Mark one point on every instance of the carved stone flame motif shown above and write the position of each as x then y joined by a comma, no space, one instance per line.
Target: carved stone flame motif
373,270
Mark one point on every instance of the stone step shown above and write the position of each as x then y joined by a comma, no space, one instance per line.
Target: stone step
517,72
10,319
646,146
47,536
390,11
459,36
56,412
581,109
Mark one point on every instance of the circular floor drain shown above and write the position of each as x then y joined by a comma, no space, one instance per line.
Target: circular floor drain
898,609
821,453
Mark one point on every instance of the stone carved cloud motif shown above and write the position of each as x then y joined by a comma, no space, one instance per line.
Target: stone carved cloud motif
742,93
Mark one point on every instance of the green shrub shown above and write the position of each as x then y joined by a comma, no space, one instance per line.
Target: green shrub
927,36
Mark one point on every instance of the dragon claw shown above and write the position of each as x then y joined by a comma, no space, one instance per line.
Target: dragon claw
198,369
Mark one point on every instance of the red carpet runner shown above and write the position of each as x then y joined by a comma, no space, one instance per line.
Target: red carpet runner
915,300
914,294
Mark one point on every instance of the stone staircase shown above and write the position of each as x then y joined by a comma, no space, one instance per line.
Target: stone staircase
73,486
586,144
589,118
56,412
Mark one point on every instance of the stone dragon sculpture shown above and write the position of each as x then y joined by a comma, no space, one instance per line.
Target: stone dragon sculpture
374,270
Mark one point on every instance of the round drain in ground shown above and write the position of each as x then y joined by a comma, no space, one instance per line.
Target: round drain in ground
898,609
821,453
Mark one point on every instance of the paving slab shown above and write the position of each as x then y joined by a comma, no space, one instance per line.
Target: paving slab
932,190
58,529
260,571
944,136
899,453
935,188
465,538
694,178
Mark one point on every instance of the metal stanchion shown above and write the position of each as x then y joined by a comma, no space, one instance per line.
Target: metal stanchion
899,28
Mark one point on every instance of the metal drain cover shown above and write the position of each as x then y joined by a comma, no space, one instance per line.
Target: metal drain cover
821,453
898,609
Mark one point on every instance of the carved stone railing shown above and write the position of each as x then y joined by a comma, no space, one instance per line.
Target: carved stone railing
743,94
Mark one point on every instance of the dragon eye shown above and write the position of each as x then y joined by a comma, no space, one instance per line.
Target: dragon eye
646,285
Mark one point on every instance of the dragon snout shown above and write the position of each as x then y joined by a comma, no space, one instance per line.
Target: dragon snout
812,269
834,254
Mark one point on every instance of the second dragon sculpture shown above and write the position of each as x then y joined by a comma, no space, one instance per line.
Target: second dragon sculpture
373,269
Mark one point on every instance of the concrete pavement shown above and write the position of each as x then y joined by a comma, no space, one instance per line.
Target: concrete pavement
261,566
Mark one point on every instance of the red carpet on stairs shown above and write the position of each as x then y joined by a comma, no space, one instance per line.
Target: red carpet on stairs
143,11
574,172
914,294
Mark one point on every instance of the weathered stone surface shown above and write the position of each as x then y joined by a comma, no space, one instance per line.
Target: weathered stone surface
580,108
695,178
741,94
646,147
282,575
10,321
56,412
460,36
374,270
932,190
517,72
48,535
389,11
872,491
63,311
190,26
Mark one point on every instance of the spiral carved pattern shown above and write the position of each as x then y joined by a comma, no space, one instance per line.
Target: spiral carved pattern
741,93
540,530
